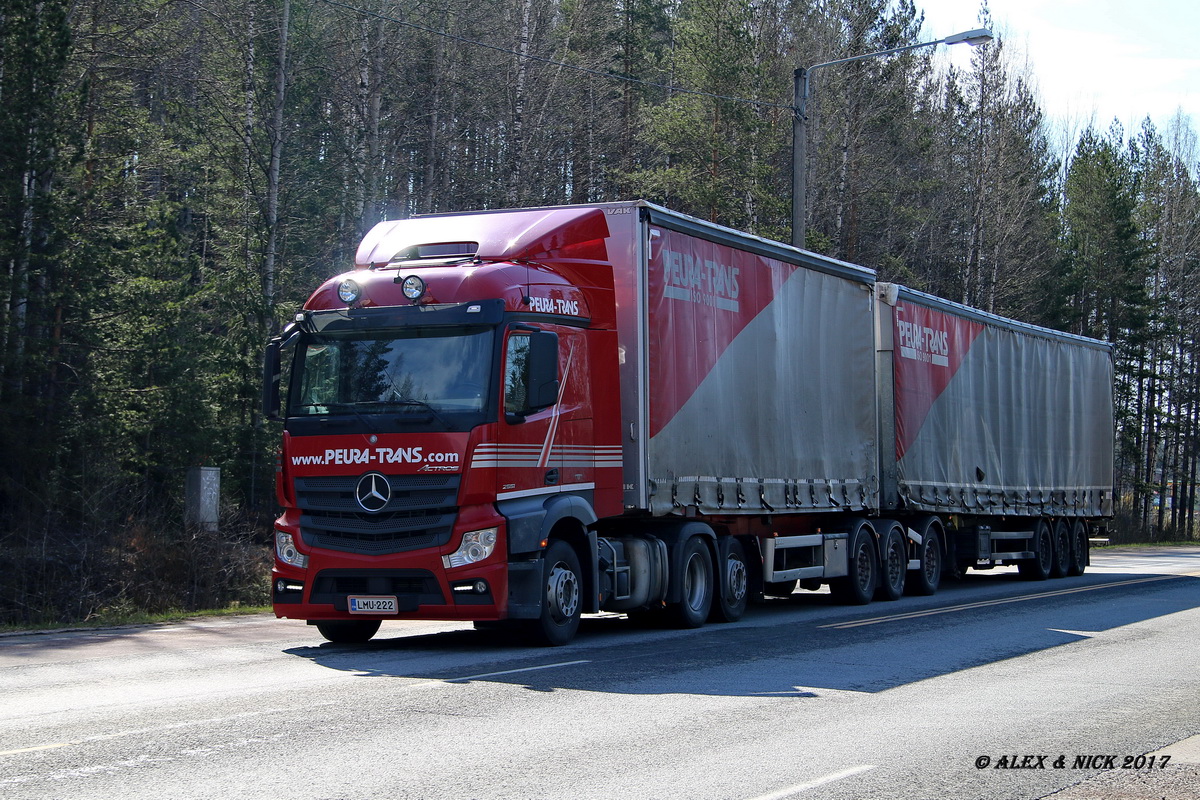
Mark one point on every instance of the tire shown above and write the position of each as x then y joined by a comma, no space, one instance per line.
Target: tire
733,590
857,588
894,564
925,579
780,589
1039,567
1062,549
696,585
1079,548
562,601
348,631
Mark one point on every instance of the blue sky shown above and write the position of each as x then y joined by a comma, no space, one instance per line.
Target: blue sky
1093,60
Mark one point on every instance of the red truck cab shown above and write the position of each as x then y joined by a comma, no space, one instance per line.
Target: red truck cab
447,403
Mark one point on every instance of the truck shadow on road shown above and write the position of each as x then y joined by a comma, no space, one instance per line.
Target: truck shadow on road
802,647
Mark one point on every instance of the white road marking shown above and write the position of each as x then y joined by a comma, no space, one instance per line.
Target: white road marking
141,731
813,784
444,681
420,685
999,602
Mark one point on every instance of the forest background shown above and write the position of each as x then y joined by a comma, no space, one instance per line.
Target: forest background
177,175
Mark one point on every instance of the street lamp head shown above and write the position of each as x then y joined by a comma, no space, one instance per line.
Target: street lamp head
973,38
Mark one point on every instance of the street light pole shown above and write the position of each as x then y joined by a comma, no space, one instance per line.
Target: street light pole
800,88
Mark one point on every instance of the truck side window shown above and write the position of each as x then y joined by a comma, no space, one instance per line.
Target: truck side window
516,374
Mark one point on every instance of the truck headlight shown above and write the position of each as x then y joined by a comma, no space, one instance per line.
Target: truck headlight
285,549
476,546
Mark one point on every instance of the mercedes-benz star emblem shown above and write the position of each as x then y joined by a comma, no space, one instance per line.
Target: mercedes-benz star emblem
373,492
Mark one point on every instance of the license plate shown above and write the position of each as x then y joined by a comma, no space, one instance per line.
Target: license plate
371,604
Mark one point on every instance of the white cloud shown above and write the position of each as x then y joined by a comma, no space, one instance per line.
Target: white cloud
1096,59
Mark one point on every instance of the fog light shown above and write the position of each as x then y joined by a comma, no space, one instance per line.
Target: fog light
476,546
470,587
349,291
413,287
285,550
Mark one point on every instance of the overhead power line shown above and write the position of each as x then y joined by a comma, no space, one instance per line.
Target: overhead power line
599,73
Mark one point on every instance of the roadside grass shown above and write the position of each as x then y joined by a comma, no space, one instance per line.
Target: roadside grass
126,617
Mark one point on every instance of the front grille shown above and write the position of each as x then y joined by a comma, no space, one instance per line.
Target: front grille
412,587
420,514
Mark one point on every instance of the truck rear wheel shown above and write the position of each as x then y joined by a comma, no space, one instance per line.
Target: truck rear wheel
696,585
926,578
858,586
348,631
733,590
1038,568
1062,549
894,563
1079,548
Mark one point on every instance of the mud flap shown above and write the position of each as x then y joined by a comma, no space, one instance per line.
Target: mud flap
525,589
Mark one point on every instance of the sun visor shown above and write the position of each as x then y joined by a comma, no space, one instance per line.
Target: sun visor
501,235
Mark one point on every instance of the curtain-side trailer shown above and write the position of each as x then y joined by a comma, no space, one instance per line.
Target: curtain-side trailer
516,417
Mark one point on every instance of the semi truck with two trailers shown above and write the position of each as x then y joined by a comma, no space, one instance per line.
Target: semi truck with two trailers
516,417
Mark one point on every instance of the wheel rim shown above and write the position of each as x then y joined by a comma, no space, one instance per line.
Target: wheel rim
695,583
1045,549
736,579
896,563
562,593
866,574
931,560
1063,540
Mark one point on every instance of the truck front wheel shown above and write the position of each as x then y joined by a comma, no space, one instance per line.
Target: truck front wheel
348,631
563,595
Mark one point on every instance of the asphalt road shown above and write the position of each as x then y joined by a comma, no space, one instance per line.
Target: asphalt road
937,697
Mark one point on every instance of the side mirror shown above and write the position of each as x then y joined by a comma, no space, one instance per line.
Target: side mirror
543,370
273,370
530,373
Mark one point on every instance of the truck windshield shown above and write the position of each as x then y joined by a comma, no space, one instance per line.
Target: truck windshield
444,373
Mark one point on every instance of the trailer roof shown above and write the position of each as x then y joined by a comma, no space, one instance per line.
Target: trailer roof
995,320
703,229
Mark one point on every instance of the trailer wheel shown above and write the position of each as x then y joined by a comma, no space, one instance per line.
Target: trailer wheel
562,604
1062,549
928,576
696,574
895,564
348,631
731,600
1079,548
1038,568
858,586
